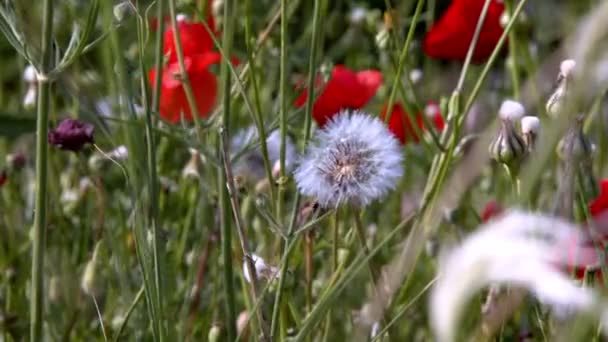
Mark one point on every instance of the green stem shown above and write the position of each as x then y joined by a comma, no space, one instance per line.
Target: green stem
512,61
44,94
283,107
151,163
312,71
182,69
226,233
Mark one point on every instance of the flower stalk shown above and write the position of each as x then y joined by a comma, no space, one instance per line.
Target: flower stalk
38,245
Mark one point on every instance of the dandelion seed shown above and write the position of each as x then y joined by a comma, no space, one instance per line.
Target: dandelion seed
355,159
556,101
511,110
518,248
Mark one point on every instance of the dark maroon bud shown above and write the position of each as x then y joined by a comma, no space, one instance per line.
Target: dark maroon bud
15,161
71,135
3,178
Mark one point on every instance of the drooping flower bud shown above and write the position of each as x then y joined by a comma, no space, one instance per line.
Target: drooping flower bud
575,146
508,147
263,270
89,283
71,135
530,126
215,333
556,101
191,170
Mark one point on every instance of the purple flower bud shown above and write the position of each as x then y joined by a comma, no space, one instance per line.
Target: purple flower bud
71,135
3,178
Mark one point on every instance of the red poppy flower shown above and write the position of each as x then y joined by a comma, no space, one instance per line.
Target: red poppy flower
346,89
600,204
173,100
585,257
400,124
491,210
194,37
451,35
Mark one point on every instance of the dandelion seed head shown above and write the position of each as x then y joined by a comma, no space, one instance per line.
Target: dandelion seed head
511,110
354,159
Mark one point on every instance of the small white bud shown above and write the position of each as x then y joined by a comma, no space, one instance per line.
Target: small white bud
566,67
181,17
511,110
29,74
416,75
262,269
530,124
505,17
122,10
120,153
431,110
191,168
357,15
29,100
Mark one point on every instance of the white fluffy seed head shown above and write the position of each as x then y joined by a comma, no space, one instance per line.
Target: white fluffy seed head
566,67
354,159
530,124
521,248
511,110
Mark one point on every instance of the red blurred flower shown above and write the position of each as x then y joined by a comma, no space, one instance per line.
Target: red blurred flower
451,35
194,37
173,100
585,256
600,204
491,210
346,89
400,124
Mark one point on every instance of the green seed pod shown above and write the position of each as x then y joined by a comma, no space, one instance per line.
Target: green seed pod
507,147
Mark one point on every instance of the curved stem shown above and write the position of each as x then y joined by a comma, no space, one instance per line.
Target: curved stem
44,93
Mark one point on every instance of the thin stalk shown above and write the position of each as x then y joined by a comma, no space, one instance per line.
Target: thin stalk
152,172
312,70
402,59
123,325
245,246
158,58
512,61
38,247
258,118
226,233
469,57
283,107
182,69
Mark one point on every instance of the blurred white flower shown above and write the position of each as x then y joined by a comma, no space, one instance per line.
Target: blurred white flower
354,159
519,248
262,269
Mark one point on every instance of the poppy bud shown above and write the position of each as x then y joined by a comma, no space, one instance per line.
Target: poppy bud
575,146
555,103
89,284
191,171
507,147
71,135
530,126
214,334
122,9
